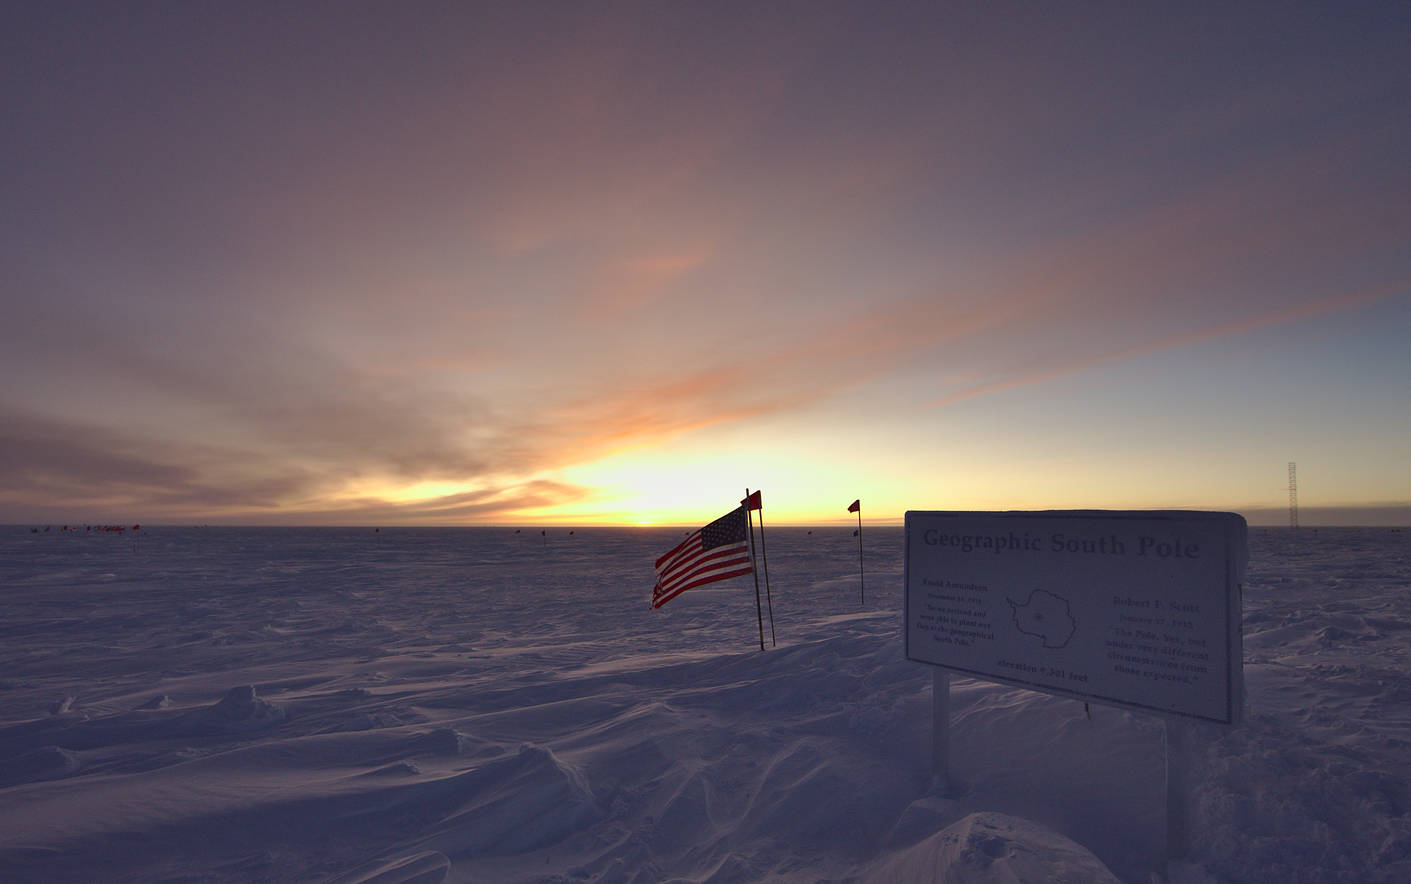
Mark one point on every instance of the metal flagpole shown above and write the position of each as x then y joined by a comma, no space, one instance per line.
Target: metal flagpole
764,554
754,566
861,577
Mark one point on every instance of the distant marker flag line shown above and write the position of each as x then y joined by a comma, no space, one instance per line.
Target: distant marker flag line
718,551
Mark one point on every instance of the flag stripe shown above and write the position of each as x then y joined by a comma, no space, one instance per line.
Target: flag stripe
696,562
707,569
714,567
661,597
697,550
695,537
718,551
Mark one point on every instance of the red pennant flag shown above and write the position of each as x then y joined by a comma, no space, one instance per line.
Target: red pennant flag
752,502
855,506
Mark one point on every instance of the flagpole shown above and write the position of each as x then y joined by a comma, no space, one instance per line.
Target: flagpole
764,554
755,569
861,576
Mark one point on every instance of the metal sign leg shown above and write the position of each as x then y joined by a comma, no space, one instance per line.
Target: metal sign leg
940,727
1176,790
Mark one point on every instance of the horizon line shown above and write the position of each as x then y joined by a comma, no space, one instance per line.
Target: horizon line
615,526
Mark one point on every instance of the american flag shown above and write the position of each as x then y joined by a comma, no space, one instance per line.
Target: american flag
715,552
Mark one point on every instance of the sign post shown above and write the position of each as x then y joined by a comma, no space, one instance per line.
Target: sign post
1135,609
940,728
1177,793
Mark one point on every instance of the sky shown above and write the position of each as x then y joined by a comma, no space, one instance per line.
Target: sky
614,263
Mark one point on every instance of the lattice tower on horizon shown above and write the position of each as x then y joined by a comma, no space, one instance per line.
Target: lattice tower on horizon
1293,494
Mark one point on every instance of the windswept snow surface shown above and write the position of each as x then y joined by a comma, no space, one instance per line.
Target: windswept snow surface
479,704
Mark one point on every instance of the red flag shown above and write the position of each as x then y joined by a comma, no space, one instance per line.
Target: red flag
855,506
715,552
752,502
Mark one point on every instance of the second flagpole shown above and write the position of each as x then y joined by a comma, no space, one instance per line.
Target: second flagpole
755,501
861,576
758,613
768,597
856,507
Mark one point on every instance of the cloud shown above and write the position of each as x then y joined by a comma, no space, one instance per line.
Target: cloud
508,503
630,284
53,469
506,245
78,468
1039,371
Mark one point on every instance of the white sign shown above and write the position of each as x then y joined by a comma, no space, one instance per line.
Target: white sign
1136,609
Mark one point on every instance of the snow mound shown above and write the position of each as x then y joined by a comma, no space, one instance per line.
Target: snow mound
47,763
399,769
445,741
422,868
239,711
517,804
993,848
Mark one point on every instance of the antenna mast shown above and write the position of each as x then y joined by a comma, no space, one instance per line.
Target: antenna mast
1293,494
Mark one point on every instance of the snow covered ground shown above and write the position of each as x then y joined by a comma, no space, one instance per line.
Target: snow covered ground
426,705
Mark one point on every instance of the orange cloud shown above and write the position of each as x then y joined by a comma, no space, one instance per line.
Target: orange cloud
1037,373
633,283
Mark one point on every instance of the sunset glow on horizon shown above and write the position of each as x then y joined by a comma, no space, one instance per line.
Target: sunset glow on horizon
612,264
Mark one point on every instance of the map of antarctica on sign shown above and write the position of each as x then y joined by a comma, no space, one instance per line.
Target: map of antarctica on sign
1045,616
1135,609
